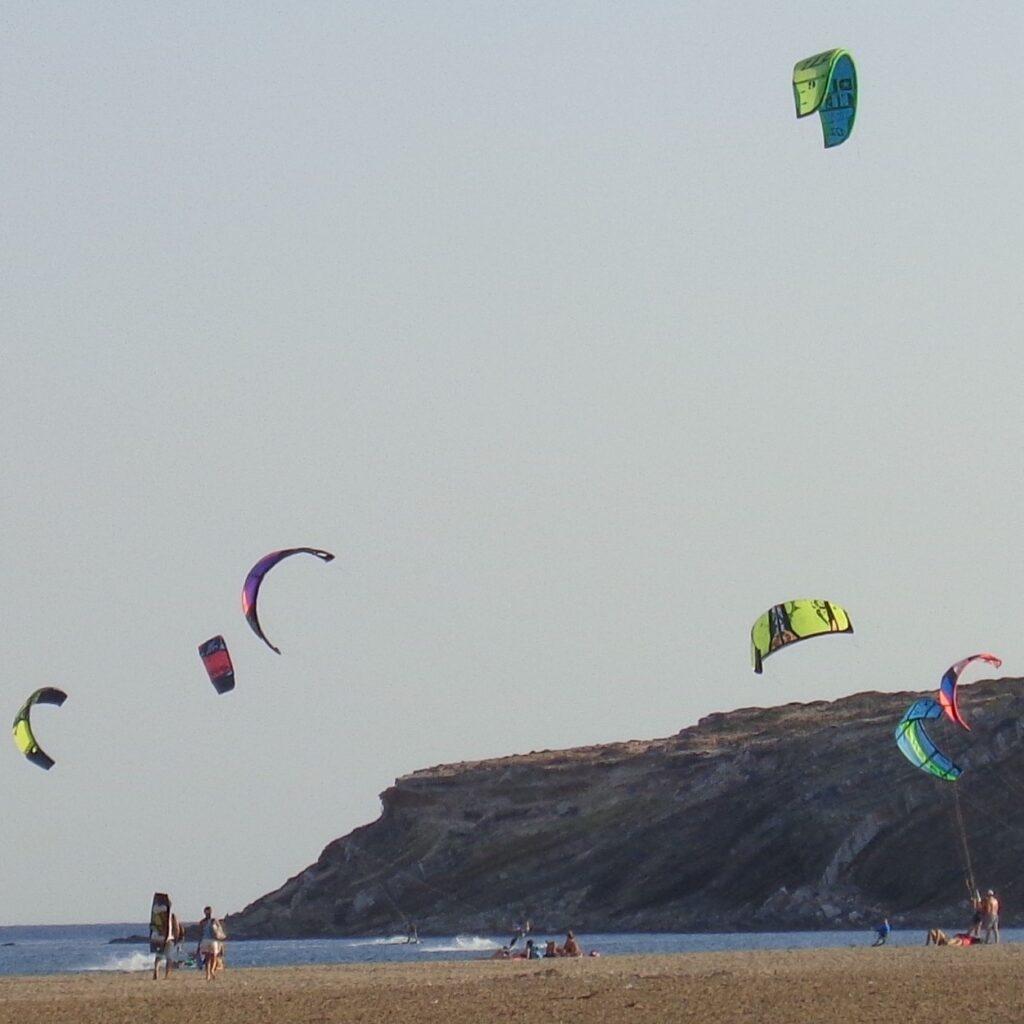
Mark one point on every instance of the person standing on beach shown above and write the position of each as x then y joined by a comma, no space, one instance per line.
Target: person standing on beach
977,916
165,952
882,933
177,938
211,935
161,936
990,916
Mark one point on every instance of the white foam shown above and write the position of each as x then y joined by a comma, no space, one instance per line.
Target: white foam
464,944
132,962
391,940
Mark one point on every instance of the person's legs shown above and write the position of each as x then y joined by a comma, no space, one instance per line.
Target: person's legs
165,956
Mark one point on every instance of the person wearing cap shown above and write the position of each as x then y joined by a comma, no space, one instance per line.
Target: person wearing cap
990,916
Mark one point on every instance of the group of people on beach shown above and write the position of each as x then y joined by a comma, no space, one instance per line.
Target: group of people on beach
532,952
209,952
985,918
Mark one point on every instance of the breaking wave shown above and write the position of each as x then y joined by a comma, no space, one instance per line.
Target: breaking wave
390,940
463,944
132,962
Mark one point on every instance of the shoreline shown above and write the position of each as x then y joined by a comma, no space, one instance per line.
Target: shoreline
854,985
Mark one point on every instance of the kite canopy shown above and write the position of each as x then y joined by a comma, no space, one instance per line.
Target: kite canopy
947,688
827,83
916,745
793,621
217,660
251,588
24,738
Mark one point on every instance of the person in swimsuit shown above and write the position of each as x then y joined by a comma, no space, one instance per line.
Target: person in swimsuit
978,916
571,947
939,937
209,948
990,916
161,941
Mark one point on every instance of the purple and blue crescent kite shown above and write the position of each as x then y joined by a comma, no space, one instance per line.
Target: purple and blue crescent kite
251,589
947,688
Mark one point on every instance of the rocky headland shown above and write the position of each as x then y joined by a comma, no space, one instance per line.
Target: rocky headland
794,817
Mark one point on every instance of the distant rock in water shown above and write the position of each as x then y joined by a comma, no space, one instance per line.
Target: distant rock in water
796,817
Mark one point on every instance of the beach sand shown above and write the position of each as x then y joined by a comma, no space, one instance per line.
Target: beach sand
905,985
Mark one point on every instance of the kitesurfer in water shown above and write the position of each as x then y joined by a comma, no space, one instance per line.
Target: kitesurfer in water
882,932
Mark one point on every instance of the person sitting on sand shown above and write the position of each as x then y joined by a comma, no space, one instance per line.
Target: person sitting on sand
939,938
571,947
501,954
532,952
550,950
882,933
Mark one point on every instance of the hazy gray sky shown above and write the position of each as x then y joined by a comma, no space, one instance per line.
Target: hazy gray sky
551,321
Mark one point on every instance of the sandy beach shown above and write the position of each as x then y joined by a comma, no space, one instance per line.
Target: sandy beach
849,985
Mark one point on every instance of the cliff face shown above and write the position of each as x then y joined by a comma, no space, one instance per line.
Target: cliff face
799,816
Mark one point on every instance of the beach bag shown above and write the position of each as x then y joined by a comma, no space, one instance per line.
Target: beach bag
218,931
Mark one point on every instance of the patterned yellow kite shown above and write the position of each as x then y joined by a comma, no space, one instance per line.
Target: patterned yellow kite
827,83
793,621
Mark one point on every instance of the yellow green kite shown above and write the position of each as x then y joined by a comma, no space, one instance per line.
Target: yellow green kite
24,737
827,83
793,621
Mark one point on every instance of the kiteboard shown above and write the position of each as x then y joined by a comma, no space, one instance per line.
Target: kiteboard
159,922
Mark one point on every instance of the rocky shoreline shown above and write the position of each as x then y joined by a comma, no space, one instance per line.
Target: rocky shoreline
798,817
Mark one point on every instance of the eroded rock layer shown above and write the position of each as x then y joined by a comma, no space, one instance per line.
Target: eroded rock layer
801,816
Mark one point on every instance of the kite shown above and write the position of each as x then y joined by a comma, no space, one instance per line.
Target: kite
792,621
917,747
23,735
217,660
251,589
827,83
947,688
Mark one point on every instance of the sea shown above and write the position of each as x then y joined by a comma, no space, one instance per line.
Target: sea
61,949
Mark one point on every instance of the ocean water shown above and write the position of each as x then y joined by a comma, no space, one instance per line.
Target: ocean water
58,949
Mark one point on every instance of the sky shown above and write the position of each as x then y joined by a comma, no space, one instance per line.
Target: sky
552,322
